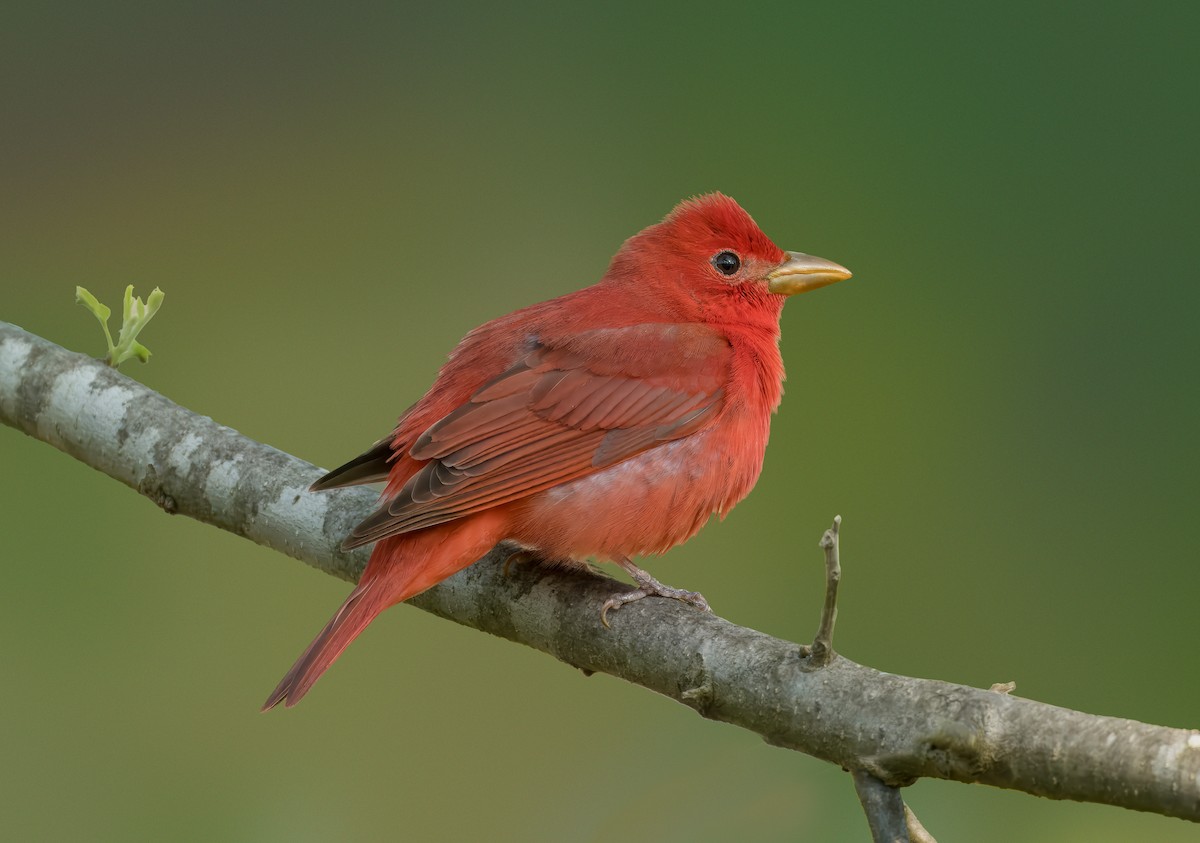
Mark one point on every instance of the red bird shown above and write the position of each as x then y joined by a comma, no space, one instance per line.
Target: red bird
608,423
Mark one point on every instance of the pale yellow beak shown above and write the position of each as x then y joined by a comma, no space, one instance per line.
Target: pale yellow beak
801,273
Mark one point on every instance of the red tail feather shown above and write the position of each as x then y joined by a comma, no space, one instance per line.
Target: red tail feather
351,619
400,567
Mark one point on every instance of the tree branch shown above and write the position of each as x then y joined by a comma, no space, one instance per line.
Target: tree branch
893,728
884,808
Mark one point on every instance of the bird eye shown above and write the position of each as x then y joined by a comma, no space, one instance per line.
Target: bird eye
727,263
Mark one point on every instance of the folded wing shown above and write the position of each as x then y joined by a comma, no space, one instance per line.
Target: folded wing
561,412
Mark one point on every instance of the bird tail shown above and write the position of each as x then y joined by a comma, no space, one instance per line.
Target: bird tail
360,608
400,567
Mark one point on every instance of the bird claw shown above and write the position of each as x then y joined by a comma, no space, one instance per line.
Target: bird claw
520,557
653,588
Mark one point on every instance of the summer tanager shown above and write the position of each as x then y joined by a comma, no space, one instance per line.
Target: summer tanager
608,423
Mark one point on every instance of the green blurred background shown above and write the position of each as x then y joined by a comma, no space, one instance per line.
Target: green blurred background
1002,404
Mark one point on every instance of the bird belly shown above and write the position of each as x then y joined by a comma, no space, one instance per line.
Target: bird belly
644,505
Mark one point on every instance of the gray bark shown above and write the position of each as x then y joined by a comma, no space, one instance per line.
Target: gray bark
894,728
884,808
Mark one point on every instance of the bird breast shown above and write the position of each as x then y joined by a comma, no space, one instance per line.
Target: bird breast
648,503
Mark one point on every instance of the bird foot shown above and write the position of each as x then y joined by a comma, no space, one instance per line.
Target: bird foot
648,586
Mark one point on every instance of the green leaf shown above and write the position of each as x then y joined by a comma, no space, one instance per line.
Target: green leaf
136,314
83,297
140,352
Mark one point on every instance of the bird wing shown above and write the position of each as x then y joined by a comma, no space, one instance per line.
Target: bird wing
564,410
371,466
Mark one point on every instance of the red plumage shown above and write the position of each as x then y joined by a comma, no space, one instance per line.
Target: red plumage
607,423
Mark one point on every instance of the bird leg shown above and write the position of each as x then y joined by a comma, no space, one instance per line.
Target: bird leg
647,587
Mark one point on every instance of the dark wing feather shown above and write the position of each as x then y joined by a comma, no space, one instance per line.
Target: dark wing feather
370,466
557,415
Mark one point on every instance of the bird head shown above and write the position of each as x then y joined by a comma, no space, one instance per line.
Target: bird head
709,254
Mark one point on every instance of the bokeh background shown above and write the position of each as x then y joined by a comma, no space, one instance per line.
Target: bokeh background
1002,404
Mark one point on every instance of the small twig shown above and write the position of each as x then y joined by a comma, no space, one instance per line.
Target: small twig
885,809
821,652
916,831
890,819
